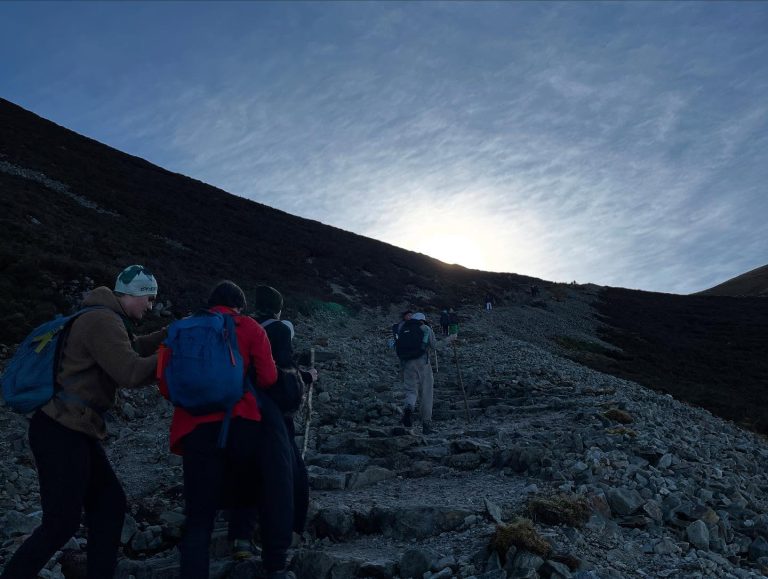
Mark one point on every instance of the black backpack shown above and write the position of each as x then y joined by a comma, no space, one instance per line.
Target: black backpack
410,341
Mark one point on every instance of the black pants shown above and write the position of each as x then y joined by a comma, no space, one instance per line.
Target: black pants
74,475
253,470
242,522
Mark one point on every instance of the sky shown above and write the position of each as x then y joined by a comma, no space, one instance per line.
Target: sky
617,143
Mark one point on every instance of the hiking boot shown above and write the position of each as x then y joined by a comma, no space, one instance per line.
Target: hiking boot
243,549
408,417
426,428
281,575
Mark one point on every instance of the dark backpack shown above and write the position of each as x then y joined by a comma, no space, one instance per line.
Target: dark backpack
288,391
29,380
410,341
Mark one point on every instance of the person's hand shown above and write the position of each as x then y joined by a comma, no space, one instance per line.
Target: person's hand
313,373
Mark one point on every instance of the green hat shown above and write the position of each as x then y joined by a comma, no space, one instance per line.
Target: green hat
136,280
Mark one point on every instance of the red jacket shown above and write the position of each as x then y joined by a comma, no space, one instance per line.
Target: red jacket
254,347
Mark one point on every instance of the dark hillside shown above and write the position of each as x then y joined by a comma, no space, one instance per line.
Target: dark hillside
73,212
752,283
708,351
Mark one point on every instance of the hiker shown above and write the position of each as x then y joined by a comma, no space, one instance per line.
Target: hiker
404,317
413,348
100,354
488,301
268,307
246,464
453,322
444,322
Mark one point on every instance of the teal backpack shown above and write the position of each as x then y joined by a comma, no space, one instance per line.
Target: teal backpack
29,380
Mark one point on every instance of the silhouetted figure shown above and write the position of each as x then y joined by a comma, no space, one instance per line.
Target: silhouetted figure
444,322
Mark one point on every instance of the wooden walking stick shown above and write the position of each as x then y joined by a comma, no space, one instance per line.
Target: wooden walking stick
461,380
309,405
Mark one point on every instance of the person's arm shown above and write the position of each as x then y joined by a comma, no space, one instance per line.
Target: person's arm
425,339
107,341
148,344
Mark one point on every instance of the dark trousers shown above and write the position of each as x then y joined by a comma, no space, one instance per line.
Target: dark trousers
253,470
242,522
74,475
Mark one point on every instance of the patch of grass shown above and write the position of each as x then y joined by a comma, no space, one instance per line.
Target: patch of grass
561,509
522,534
619,416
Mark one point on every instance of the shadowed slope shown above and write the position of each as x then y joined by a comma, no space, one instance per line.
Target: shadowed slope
708,351
73,208
752,283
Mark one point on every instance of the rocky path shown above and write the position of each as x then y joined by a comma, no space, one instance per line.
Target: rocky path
667,490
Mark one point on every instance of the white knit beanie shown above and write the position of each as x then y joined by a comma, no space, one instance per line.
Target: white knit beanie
136,280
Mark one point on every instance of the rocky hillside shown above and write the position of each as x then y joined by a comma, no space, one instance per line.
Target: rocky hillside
752,283
73,210
558,471
706,350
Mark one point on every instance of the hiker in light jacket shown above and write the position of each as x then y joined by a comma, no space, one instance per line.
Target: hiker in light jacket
418,380
268,306
255,467
100,354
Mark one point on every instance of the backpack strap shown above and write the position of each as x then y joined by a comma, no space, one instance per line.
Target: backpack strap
231,334
59,391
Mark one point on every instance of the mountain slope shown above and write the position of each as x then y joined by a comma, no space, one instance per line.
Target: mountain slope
73,212
752,283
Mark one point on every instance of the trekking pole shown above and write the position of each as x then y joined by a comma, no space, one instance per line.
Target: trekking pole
461,380
437,366
309,405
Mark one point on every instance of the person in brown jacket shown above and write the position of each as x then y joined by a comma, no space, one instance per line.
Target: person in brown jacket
100,355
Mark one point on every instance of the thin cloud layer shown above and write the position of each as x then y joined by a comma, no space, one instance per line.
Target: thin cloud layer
621,144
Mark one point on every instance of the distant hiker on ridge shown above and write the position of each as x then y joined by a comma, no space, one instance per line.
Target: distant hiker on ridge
413,348
489,301
100,354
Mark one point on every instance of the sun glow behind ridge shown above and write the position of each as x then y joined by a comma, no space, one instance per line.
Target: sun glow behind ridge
470,237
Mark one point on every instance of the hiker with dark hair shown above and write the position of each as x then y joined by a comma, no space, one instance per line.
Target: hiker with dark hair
444,322
231,458
268,308
414,345
404,317
99,354
489,299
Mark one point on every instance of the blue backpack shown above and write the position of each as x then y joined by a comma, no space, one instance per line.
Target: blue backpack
204,369
29,380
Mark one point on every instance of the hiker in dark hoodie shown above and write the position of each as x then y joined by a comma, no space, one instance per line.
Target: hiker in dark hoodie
254,468
101,354
268,306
